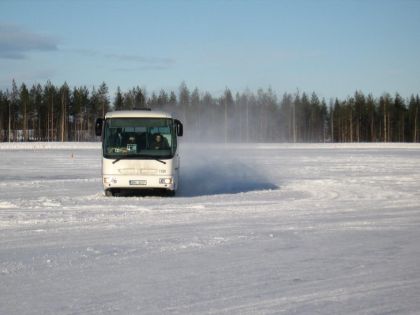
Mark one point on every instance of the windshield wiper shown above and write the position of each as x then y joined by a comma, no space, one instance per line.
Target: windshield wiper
118,159
163,162
122,158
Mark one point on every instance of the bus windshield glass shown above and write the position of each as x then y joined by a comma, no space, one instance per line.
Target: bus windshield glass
143,138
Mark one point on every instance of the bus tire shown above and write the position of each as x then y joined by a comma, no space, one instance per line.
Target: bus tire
170,193
109,193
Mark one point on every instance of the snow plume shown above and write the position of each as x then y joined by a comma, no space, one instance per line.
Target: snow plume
214,169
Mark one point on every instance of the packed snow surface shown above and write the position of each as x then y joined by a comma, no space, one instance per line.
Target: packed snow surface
254,229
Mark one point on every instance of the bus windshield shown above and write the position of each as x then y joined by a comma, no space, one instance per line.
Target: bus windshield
143,138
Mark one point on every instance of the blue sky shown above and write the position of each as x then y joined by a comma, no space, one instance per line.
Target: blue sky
330,47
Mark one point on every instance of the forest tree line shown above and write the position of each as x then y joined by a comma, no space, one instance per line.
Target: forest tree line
61,113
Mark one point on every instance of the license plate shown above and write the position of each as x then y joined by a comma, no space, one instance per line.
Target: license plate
138,182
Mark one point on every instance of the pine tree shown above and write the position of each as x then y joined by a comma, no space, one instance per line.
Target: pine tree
49,96
13,111
4,115
36,111
184,102
385,105
24,106
195,109
209,119
227,101
152,102
65,100
359,107
315,120
118,101
172,99
399,118
323,123
163,99
80,101
371,113
413,121
103,100
286,117
139,97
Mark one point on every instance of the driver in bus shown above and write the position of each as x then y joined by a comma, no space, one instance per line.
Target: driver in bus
159,142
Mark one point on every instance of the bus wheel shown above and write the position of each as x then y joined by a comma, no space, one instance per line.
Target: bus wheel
170,193
109,193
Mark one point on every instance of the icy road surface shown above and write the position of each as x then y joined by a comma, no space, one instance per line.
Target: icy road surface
255,229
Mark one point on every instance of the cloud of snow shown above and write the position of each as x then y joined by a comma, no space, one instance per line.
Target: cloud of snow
210,170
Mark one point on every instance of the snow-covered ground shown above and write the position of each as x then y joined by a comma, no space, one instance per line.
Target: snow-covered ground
255,229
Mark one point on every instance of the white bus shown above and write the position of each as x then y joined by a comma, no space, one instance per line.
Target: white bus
139,151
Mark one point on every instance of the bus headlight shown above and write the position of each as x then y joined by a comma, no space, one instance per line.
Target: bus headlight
165,181
110,180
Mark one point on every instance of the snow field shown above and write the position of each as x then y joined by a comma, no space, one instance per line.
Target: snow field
255,229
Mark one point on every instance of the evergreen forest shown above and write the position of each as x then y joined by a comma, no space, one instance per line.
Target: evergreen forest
63,113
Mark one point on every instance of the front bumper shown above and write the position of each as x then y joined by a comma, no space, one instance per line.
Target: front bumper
139,182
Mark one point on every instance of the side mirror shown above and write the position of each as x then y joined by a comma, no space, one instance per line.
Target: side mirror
98,126
179,128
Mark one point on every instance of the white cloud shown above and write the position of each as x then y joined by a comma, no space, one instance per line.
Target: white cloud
16,43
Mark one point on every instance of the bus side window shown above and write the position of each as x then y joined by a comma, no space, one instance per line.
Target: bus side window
168,139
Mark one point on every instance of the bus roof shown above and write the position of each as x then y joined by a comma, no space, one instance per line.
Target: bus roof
137,114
